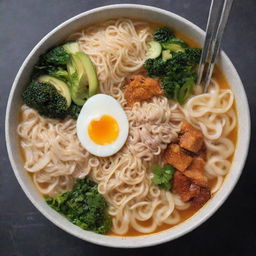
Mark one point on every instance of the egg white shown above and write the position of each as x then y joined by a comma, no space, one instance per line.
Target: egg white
93,109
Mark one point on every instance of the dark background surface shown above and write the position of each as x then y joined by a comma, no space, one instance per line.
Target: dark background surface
24,231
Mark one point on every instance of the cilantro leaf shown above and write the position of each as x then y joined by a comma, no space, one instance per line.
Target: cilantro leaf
163,176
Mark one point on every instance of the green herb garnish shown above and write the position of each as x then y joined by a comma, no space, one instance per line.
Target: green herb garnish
163,176
84,206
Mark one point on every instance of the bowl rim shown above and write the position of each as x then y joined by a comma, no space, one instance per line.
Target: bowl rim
120,241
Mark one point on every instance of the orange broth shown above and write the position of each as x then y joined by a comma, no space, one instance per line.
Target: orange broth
184,214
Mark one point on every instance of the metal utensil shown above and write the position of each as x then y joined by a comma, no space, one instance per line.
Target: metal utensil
217,20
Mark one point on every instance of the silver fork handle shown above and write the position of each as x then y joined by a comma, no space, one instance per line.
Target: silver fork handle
217,21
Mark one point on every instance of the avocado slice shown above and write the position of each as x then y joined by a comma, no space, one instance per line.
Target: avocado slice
78,80
71,47
60,86
90,73
82,74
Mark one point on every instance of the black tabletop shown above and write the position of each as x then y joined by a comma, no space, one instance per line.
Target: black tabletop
24,230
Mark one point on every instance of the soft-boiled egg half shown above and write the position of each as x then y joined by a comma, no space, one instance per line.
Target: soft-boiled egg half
102,125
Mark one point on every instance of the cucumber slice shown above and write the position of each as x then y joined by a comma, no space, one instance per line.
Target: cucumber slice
175,45
166,55
154,50
60,86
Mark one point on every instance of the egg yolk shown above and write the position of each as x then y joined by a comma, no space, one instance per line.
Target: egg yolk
103,131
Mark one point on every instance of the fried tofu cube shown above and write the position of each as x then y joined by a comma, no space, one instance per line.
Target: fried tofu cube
202,152
201,198
184,187
175,156
196,172
188,191
191,138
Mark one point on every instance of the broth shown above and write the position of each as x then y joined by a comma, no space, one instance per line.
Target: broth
184,214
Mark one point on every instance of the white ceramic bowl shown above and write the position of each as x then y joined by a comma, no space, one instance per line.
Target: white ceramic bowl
55,37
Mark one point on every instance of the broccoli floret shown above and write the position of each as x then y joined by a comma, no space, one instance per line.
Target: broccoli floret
171,87
57,72
155,67
74,110
53,63
60,73
45,99
55,57
163,34
193,55
190,57
183,64
176,73
40,70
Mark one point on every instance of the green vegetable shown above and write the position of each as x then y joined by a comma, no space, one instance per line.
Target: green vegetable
180,66
54,62
74,110
163,176
155,67
59,73
190,57
71,47
56,71
90,71
166,55
84,207
180,75
58,56
193,55
185,91
45,98
176,68
83,78
163,34
174,48
175,45
55,57
154,49
171,87
72,74
50,97
78,80
60,86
